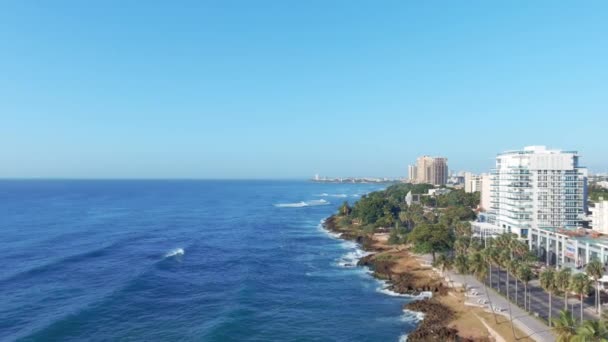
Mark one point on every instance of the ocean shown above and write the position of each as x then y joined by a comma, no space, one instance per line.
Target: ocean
177,260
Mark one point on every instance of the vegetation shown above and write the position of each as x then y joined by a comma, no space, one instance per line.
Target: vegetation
595,192
549,284
580,284
440,226
595,270
567,330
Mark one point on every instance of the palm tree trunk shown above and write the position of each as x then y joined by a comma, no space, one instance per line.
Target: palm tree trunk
597,296
581,308
525,296
565,300
516,303
490,302
550,308
490,264
508,298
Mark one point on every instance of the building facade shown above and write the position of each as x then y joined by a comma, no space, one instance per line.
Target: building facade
540,195
599,216
472,182
412,173
431,170
485,197
537,188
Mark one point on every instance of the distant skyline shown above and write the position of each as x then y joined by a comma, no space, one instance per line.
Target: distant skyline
285,89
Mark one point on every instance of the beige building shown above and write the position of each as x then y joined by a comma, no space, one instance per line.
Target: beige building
472,182
431,170
412,173
486,191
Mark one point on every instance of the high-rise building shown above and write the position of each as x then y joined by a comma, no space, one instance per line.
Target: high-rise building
431,170
485,198
472,182
412,172
537,188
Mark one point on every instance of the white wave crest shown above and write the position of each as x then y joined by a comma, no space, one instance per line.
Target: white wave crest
302,204
384,288
409,316
175,252
327,232
350,259
332,195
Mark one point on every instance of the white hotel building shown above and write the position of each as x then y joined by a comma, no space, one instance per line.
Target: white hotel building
540,195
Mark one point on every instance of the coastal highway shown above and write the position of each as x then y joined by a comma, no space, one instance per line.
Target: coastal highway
540,299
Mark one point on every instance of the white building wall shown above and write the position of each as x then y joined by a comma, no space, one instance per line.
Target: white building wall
599,217
535,188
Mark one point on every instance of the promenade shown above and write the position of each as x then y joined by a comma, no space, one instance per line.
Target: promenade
532,327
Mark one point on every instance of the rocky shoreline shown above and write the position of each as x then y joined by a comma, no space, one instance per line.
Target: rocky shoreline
411,280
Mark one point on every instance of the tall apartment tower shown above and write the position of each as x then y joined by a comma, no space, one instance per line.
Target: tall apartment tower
537,188
432,170
412,172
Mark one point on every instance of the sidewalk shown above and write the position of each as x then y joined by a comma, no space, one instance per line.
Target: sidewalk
531,326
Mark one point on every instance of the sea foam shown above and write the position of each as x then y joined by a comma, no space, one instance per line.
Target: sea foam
175,252
302,204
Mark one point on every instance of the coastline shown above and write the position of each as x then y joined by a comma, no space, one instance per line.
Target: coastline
441,309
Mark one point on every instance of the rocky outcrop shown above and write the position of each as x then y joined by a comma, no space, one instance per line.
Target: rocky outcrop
433,327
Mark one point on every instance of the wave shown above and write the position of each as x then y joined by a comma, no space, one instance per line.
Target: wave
175,252
302,204
328,232
409,316
351,258
332,195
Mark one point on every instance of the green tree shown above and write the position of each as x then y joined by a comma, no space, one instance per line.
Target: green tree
432,239
525,275
444,263
462,264
592,331
564,326
595,270
345,209
580,284
562,280
548,282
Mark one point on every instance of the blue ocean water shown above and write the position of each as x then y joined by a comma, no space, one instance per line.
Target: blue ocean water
185,261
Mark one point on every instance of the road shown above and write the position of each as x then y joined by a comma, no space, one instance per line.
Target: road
539,299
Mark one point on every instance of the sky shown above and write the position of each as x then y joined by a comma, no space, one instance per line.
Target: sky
287,89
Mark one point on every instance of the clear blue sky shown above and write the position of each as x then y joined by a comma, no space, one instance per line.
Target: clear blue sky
284,89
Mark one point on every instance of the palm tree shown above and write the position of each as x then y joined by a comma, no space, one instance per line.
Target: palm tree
549,284
525,275
495,257
562,280
479,267
461,245
462,264
514,265
444,263
592,331
580,284
505,261
487,255
564,326
345,209
595,270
